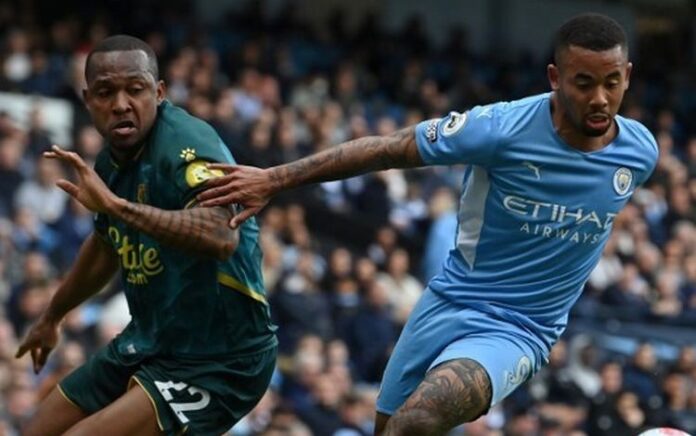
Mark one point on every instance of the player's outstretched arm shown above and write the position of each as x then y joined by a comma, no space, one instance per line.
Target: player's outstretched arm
253,187
96,264
197,230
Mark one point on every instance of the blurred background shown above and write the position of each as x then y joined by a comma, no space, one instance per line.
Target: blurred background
345,261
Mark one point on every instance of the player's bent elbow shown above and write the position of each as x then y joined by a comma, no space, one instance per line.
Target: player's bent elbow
225,252
227,247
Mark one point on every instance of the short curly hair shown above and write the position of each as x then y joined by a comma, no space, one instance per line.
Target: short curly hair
123,43
590,31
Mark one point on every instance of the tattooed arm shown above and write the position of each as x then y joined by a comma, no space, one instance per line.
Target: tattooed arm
198,230
96,264
371,153
253,187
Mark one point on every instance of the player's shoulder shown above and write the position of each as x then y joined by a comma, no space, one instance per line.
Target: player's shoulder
530,103
635,133
177,133
176,121
514,115
638,145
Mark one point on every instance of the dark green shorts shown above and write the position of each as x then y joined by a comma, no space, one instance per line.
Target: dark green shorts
192,396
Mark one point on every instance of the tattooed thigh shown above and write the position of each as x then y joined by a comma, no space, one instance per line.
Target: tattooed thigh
452,393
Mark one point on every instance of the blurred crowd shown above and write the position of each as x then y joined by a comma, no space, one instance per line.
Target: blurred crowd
345,261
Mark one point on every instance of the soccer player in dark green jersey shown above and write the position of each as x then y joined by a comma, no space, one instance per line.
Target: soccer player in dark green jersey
200,349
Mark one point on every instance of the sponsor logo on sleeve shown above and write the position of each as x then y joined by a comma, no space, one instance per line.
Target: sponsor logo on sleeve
197,172
453,123
431,130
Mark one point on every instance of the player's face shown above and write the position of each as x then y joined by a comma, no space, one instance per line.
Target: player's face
122,97
590,86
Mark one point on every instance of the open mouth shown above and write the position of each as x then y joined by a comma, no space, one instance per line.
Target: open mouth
124,128
598,121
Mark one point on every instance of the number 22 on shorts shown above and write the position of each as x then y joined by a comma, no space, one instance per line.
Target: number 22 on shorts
180,408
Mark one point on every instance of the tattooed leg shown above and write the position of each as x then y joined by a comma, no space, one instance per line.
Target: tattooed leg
452,393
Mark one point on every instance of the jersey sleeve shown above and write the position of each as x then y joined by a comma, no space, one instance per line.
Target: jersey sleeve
459,138
190,171
651,156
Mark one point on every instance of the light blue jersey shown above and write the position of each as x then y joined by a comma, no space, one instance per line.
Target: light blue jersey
534,213
533,219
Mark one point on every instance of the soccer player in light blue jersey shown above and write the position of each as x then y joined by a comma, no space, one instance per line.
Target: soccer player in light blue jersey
546,177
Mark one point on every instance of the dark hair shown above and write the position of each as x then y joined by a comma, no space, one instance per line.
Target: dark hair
590,31
123,43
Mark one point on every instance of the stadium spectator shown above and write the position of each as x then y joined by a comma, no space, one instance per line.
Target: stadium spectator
41,197
641,375
603,416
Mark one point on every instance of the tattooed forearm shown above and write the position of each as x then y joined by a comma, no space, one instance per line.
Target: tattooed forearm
455,392
199,230
371,153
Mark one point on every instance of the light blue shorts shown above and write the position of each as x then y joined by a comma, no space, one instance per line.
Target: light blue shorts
438,331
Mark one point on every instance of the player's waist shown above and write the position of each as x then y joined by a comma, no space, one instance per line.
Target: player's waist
505,276
195,341
172,287
545,322
134,343
269,342
230,282
543,305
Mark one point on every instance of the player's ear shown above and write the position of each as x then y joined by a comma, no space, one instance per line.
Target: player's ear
554,76
161,91
86,97
627,81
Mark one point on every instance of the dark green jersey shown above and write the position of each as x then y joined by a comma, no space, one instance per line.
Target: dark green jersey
182,303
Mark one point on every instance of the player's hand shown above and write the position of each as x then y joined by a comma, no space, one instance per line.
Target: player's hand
90,189
40,340
249,187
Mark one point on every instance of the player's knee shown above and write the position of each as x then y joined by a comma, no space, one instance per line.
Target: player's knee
451,394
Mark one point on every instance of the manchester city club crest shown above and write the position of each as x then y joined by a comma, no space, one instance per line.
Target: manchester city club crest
623,178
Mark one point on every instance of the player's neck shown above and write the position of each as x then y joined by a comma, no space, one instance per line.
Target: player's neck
123,156
582,142
575,138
